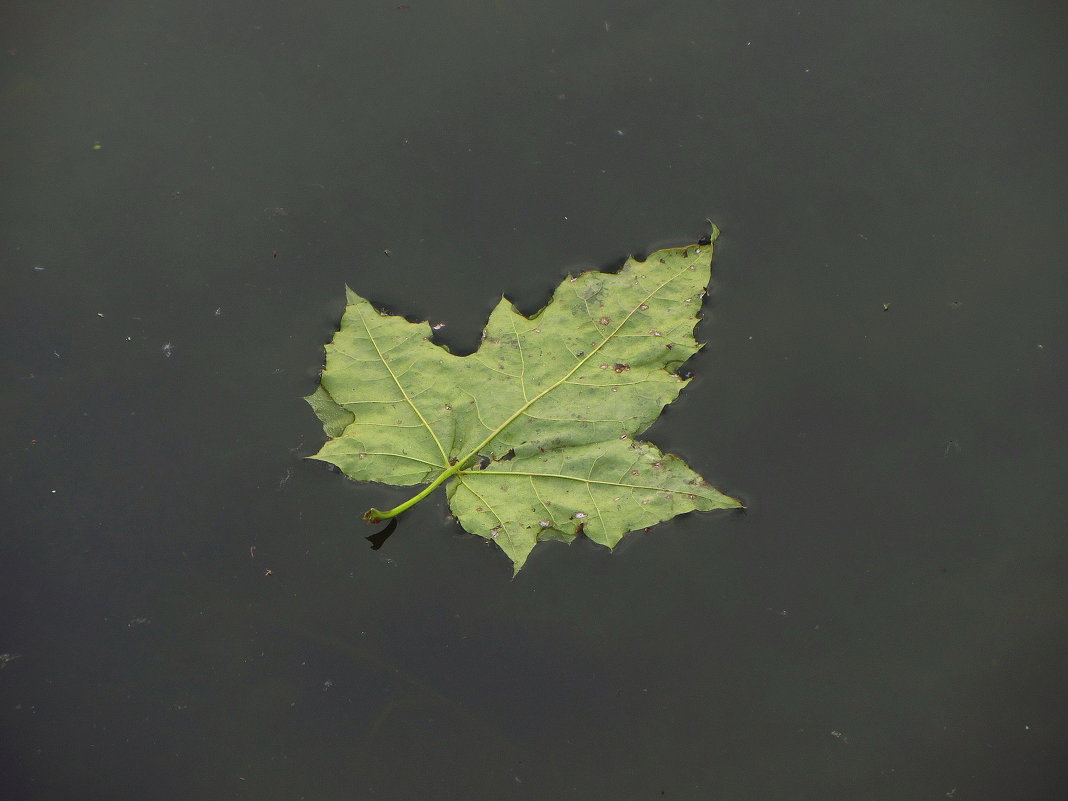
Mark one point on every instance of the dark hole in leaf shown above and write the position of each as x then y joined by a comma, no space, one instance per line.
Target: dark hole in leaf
684,373
483,462
507,456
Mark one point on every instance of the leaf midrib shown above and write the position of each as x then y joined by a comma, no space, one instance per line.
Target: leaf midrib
460,464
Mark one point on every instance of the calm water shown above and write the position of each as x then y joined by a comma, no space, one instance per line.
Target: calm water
191,609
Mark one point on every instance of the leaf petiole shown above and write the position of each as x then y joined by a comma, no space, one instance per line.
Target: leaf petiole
376,516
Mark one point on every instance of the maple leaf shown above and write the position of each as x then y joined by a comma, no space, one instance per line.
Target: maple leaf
532,433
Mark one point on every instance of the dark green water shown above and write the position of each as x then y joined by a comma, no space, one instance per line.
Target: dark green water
189,607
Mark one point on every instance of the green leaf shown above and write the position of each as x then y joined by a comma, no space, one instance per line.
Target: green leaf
533,433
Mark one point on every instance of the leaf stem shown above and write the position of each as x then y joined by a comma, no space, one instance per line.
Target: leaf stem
376,516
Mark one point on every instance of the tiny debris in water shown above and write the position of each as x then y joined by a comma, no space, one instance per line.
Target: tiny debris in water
167,350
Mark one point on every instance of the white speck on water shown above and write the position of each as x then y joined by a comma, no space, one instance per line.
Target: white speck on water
167,350
437,327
